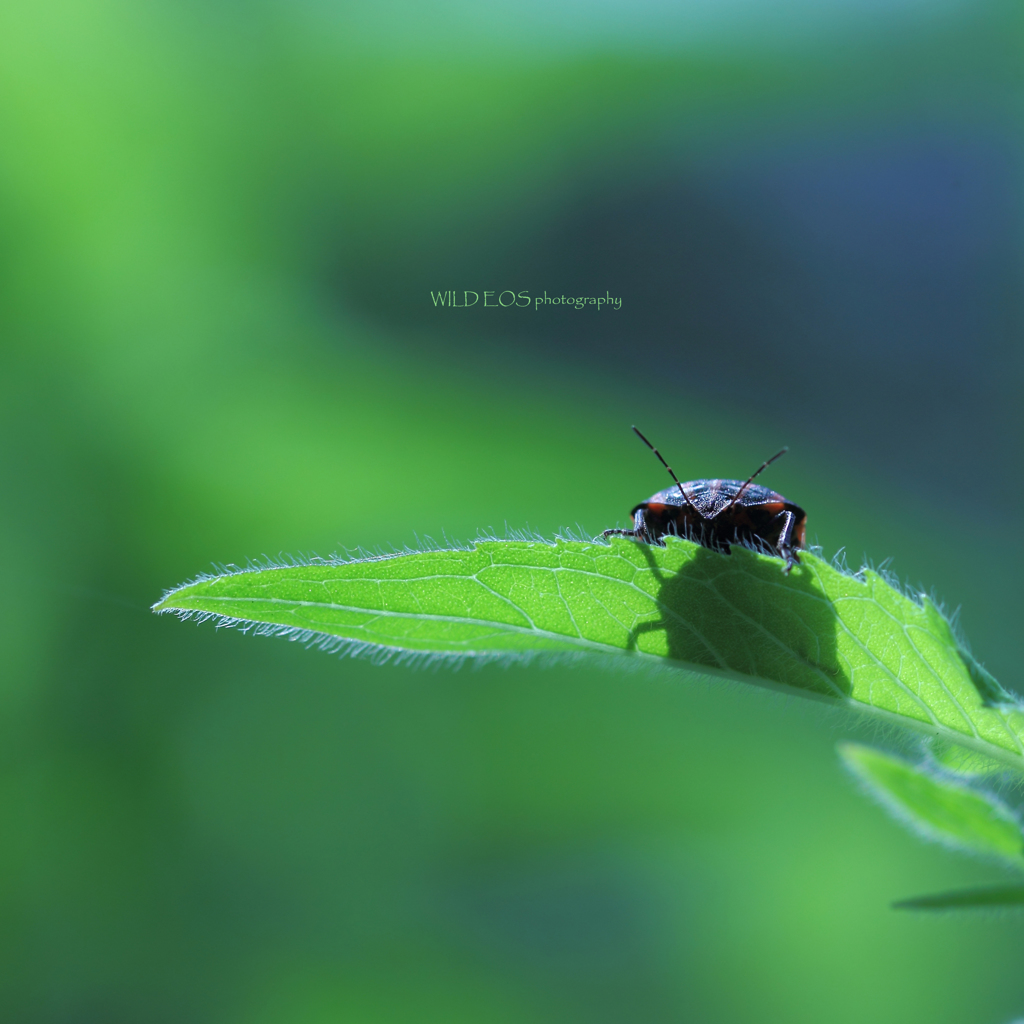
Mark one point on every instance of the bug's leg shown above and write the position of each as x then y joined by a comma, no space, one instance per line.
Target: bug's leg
647,532
785,544
639,532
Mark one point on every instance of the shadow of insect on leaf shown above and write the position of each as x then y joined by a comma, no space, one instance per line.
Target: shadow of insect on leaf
739,614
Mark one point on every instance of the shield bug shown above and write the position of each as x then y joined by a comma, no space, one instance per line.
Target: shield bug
717,513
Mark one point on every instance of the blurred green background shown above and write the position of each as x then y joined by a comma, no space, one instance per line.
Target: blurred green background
219,226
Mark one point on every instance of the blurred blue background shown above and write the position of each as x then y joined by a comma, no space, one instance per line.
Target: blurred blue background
220,225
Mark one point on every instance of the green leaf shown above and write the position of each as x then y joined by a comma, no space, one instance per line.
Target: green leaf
992,692
954,759
821,632
942,809
986,898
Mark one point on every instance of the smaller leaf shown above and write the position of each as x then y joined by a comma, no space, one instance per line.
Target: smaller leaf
936,807
966,899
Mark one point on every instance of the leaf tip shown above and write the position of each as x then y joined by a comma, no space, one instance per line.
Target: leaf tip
995,897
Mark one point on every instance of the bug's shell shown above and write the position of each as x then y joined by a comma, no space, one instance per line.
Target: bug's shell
757,517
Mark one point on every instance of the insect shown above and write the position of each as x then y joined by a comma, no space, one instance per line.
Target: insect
715,513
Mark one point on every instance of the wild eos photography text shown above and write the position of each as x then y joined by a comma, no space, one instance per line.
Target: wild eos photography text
450,299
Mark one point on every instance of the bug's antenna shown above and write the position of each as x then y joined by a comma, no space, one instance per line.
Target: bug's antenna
764,466
669,468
